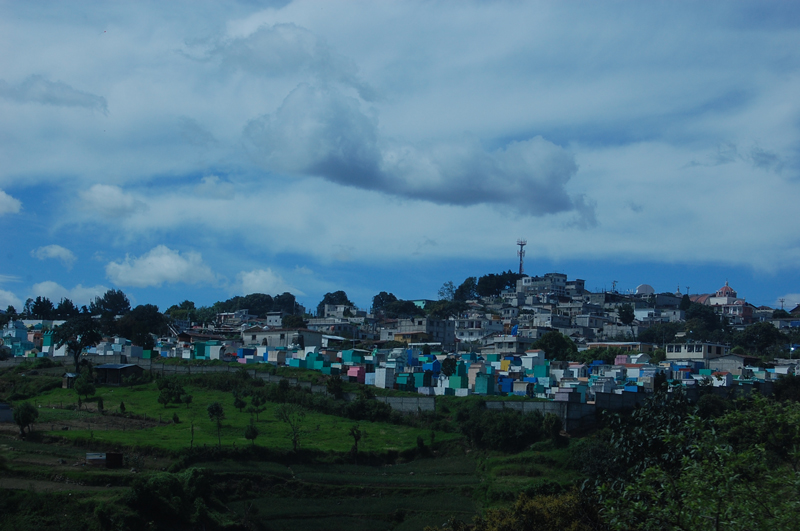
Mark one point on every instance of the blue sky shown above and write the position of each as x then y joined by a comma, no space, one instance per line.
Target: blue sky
200,150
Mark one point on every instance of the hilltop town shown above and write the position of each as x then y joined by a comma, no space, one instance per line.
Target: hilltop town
543,337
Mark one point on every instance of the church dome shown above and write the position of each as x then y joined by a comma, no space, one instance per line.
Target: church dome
726,291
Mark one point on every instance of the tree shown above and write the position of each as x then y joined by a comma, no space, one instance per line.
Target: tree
447,291
671,469
216,414
402,310
171,390
293,321
164,397
251,432
556,346
187,399
292,415
113,302
356,434
492,285
335,387
42,308
702,321
206,315
84,387
25,415
381,300
468,290
627,316
660,333
181,311
27,309
238,403
139,323
77,334
444,309
337,298
787,387
255,406
759,338
285,302
686,302
66,309
449,366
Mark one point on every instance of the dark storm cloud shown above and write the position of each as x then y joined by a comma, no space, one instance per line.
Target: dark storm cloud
321,132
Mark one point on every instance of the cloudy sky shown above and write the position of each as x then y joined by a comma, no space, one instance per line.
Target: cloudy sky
191,150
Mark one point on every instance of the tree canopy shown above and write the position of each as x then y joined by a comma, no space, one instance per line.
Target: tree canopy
113,302
557,346
335,298
42,308
492,285
77,334
140,323
381,300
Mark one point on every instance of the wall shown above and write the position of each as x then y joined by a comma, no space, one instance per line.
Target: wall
575,417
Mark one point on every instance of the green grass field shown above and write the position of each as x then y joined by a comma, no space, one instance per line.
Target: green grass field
395,486
320,432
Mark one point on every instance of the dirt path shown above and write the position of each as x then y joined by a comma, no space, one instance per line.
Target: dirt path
43,486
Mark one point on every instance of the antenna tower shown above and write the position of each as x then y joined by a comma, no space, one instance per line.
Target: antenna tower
521,253
782,301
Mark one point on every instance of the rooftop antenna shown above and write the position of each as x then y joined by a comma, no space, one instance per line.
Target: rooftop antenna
613,286
782,301
521,253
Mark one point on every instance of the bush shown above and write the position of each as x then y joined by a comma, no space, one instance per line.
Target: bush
506,430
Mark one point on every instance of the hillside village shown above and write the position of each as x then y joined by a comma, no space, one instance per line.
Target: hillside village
540,337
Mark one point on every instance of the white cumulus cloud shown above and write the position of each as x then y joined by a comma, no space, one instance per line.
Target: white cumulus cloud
110,201
9,299
80,294
55,251
161,264
263,281
8,204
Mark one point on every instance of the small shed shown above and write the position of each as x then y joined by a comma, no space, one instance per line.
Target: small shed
96,459
68,380
113,373
104,460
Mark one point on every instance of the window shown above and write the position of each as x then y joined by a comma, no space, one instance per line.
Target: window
253,337
283,336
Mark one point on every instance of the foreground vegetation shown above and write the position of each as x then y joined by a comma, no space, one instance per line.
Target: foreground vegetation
315,461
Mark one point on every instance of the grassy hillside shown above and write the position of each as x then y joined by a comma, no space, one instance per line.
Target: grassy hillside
409,473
